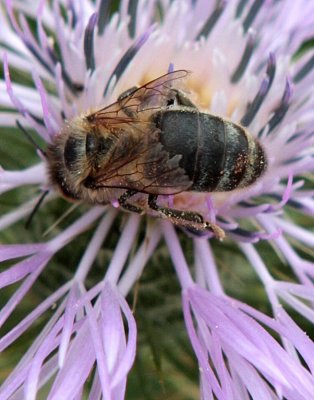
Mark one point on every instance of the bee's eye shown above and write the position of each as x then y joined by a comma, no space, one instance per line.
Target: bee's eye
72,152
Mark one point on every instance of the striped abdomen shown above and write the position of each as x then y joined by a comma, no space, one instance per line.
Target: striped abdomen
217,155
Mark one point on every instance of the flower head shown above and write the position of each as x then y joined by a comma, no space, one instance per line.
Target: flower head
65,59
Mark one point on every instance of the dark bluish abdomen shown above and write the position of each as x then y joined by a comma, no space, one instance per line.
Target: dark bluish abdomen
216,154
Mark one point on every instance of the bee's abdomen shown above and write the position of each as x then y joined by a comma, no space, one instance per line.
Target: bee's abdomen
243,160
217,155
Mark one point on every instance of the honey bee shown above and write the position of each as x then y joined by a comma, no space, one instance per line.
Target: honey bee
154,141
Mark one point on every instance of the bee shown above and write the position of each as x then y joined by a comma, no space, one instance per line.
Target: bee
153,141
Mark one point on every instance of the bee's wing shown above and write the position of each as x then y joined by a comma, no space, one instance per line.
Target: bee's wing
141,163
138,161
131,106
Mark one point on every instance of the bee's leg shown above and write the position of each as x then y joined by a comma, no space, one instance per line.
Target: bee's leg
178,217
123,202
187,219
182,99
123,96
127,93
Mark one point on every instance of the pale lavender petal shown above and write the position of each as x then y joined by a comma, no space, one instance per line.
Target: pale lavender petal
94,245
128,356
95,393
205,368
32,175
99,349
77,366
140,259
69,316
208,266
18,104
7,252
49,344
23,268
288,329
51,124
20,328
243,337
122,249
112,327
40,262
256,387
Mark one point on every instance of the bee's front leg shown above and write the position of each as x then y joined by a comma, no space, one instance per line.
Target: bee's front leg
124,95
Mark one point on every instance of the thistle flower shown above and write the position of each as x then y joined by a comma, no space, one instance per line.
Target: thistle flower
62,58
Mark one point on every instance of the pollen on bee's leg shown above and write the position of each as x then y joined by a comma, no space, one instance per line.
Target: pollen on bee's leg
115,204
216,230
200,225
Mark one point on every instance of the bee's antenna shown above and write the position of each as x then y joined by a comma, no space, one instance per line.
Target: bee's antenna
35,209
30,139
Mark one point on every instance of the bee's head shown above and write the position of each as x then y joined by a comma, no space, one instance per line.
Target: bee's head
66,157
85,145
77,152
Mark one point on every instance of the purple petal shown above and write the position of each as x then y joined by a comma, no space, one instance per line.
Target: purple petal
243,337
101,356
20,328
23,268
40,262
8,252
77,367
128,357
69,316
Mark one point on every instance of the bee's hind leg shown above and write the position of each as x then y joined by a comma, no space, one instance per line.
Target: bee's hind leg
181,99
186,219
123,202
